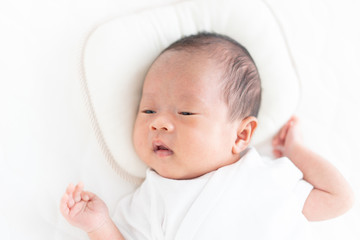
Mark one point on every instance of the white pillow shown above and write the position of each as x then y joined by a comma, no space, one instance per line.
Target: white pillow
118,53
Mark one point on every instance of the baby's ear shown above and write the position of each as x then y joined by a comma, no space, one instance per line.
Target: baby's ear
246,129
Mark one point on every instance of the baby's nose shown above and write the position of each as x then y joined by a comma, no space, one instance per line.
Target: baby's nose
162,123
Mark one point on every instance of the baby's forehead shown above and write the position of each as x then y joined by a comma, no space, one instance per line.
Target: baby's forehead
183,69
188,59
186,98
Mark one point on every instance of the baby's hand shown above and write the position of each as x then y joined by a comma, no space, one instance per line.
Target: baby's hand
83,209
285,141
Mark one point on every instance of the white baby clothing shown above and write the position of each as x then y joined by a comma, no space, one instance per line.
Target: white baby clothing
254,199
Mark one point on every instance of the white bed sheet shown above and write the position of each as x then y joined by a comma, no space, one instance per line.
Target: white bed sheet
46,139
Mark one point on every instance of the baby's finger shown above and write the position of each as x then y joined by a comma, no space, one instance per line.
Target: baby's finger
279,138
87,196
284,131
276,140
64,209
78,189
70,189
294,119
294,122
69,192
277,153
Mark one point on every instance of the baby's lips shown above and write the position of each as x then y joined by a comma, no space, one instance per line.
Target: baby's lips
159,145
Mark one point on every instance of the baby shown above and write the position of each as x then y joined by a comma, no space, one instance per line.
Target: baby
197,114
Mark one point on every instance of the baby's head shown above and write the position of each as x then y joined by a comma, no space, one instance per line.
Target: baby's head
198,110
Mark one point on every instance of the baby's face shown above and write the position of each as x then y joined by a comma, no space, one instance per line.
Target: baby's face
182,129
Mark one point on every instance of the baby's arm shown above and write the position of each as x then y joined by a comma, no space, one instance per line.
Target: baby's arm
89,213
332,195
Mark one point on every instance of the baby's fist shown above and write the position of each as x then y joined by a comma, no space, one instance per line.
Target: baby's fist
83,209
287,138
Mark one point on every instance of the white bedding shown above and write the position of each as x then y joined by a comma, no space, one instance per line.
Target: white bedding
46,139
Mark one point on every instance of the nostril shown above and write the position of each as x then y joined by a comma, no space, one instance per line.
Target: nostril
161,124
155,128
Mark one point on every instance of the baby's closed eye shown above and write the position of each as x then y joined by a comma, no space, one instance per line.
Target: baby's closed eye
148,111
186,113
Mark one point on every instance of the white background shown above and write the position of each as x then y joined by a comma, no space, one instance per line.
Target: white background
46,137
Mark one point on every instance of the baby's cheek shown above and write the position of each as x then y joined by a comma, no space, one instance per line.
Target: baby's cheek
139,137
194,141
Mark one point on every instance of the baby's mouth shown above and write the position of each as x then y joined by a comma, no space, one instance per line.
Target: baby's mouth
161,149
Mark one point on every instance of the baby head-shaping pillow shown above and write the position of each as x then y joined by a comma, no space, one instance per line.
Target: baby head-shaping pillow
118,53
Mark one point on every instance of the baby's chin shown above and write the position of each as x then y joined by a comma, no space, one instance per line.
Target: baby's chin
178,175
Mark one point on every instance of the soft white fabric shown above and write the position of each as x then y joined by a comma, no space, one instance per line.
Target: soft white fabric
47,141
254,198
119,52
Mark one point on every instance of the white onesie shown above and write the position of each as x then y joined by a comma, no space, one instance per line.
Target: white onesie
254,198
